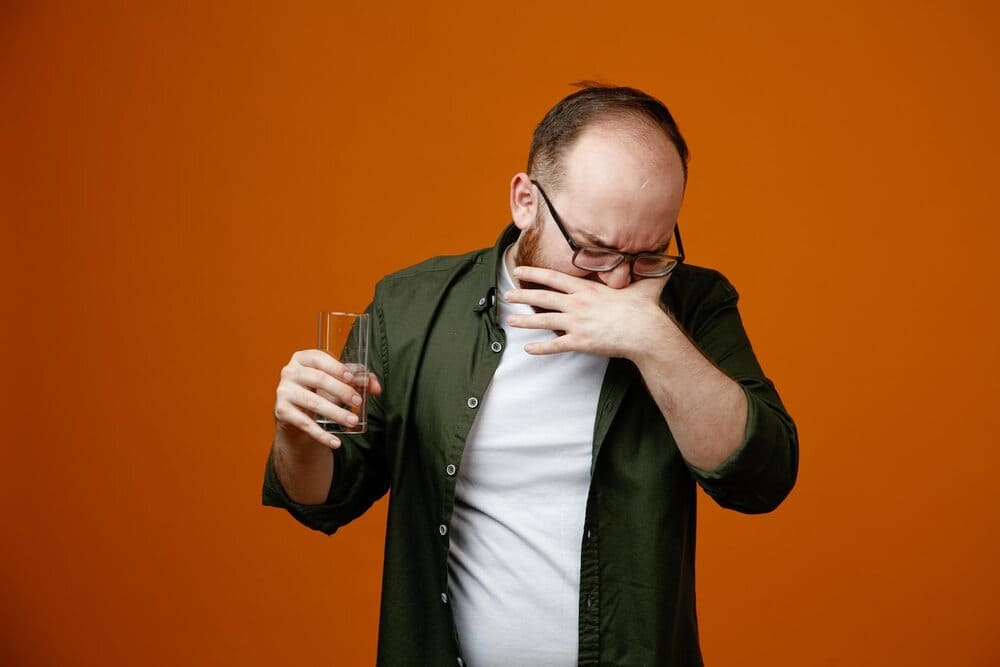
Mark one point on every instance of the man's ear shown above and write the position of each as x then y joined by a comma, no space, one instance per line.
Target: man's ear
523,200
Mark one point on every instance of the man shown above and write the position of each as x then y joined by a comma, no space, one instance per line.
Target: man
541,412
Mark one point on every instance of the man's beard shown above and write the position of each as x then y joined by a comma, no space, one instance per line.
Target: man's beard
528,255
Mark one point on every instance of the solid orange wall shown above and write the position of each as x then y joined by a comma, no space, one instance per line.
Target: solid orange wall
184,186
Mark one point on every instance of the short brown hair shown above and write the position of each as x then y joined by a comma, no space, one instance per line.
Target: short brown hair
595,102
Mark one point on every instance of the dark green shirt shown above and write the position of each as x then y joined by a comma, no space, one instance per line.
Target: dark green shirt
435,344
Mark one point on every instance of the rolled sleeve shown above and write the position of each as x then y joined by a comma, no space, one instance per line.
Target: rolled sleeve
762,470
352,491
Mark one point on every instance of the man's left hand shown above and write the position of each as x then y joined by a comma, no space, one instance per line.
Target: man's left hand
591,316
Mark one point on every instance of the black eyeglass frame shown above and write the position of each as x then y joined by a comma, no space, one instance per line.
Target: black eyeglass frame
577,248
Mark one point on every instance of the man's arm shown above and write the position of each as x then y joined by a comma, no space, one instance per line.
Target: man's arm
321,479
313,382
743,450
705,408
304,467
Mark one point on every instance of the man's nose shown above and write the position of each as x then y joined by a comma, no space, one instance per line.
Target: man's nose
618,277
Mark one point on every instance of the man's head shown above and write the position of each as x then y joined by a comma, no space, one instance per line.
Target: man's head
614,165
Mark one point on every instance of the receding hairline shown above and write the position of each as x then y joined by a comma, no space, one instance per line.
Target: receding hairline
634,125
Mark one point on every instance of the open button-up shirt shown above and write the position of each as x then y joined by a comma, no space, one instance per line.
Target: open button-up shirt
435,345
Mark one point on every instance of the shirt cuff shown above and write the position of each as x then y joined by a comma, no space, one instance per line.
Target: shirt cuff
318,516
758,475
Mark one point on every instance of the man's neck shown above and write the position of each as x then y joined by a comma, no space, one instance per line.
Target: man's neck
508,258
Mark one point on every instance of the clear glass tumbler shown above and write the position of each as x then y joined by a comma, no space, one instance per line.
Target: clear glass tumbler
345,337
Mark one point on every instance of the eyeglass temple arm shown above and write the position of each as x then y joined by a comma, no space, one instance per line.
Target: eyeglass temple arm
555,216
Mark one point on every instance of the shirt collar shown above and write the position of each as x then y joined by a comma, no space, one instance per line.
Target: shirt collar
491,265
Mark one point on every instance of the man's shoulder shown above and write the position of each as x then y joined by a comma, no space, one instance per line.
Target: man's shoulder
429,281
437,267
691,287
692,278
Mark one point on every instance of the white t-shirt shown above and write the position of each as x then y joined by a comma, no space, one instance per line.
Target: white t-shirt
520,501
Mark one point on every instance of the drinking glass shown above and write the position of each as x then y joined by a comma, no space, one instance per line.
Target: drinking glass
345,337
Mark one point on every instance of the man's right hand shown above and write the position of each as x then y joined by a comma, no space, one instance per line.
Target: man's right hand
315,383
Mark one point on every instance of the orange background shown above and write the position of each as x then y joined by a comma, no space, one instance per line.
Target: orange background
184,185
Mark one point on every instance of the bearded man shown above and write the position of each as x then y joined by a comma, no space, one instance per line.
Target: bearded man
541,412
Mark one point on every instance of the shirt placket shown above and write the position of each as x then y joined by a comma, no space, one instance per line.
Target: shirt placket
613,390
488,346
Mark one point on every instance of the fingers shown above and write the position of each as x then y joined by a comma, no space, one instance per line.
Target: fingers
316,385
374,386
319,403
315,380
541,298
290,419
555,279
551,321
299,407
320,360
331,366
554,346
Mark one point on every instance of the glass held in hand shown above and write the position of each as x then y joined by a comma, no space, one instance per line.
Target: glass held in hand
344,336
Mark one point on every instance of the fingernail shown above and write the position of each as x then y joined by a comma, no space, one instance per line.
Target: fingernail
353,419
348,375
356,400
335,443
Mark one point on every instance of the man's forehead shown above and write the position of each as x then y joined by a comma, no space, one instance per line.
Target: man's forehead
602,170
597,209
633,144
608,232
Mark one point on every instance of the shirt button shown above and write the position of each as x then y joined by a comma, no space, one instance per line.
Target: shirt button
588,533
443,529
482,301
472,402
444,598
450,470
588,603
460,663
496,346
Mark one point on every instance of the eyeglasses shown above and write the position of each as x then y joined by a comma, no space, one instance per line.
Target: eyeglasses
594,258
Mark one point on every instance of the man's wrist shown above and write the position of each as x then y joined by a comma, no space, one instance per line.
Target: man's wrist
656,342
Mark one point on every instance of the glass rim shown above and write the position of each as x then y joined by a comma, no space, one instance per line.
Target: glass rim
341,312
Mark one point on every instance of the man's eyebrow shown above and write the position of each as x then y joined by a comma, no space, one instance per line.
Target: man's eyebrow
595,240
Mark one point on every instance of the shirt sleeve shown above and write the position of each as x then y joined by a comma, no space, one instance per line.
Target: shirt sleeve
758,476
360,470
